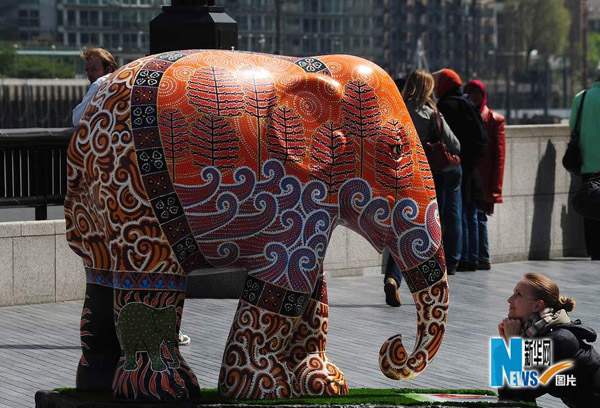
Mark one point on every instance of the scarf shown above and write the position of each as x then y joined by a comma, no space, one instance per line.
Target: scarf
540,323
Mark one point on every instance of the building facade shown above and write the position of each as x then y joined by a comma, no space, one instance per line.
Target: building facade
453,33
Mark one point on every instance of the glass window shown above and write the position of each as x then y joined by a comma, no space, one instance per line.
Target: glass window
110,19
256,23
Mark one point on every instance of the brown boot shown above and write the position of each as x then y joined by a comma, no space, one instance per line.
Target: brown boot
392,297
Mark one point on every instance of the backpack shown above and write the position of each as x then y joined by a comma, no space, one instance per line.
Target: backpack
477,140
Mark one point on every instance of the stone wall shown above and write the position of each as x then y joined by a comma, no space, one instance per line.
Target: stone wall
535,221
37,265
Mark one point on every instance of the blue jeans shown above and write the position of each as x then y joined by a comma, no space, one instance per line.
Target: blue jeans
450,208
484,246
470,250
392,270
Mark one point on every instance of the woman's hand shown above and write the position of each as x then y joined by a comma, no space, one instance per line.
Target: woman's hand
501,330
509,328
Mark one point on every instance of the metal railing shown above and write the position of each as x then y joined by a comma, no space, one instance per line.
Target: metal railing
33,168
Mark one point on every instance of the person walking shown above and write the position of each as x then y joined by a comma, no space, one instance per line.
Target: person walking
417,90
589,145
462,185
98,64
417,93
490,167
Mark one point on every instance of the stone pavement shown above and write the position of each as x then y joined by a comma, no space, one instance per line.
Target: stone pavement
39,344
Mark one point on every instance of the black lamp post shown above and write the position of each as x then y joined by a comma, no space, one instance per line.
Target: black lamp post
192,24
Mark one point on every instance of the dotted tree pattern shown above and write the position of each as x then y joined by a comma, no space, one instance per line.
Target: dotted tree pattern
216,91
393,161
285,136
332,156
173,133
362,115
261,99
213,142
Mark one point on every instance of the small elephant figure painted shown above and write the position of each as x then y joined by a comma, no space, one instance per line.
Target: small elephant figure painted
196,159
142,328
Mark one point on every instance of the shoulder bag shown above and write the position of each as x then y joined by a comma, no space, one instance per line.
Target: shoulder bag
439,157
572,159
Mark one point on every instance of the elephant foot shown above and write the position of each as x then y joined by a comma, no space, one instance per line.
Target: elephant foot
96,373
155,381
317,375
99,343
254,365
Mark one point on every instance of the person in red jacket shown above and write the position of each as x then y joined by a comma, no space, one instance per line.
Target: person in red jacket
490,166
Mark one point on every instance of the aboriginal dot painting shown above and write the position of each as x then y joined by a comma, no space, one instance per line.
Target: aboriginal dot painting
195,159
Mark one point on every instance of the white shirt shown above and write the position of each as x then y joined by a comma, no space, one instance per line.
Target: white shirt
79,109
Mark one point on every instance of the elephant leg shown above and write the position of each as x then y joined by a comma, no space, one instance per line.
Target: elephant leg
151,377
314,373
174,354
255,358
99,343
130,361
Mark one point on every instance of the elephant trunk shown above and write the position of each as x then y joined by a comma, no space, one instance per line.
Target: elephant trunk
432,310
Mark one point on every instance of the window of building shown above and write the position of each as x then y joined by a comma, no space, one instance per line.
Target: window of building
110,40
28,35
130,40
29,18
110,19
256,23
71,39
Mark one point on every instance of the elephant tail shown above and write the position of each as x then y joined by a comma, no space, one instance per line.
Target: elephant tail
432,311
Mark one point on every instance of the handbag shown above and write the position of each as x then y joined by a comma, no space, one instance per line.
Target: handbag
572,159
439,157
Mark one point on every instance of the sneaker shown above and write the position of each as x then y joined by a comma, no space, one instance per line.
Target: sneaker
392,297
183,340
484,266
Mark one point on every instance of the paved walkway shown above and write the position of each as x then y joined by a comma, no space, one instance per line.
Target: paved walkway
39,344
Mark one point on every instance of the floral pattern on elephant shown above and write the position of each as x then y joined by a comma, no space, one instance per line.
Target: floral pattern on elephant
193,159
142,328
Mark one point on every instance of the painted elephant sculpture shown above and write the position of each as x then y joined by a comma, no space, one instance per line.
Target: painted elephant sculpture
142,328
196,159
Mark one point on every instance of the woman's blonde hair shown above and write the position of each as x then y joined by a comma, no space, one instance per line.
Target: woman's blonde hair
108,61
547,290
418,88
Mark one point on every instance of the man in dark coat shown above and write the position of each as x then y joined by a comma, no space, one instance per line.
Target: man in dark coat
468,127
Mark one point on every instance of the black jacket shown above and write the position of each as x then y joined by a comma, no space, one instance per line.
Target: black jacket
569,342
454,112
587,199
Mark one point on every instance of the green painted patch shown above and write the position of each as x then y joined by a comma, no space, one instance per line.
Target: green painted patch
360,396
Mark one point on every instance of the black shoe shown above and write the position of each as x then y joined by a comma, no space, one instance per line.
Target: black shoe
471,267
451,269
483,266
462,267
392,297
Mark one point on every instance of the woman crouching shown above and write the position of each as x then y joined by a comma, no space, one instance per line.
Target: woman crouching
537,310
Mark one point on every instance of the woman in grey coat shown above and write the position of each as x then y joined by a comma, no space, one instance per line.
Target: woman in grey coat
417,92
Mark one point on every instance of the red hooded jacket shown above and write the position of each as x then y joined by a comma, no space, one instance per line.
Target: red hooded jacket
491,165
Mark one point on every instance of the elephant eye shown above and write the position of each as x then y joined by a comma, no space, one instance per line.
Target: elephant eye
396,149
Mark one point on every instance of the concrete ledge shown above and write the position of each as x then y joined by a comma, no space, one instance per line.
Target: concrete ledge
37,265
536,221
